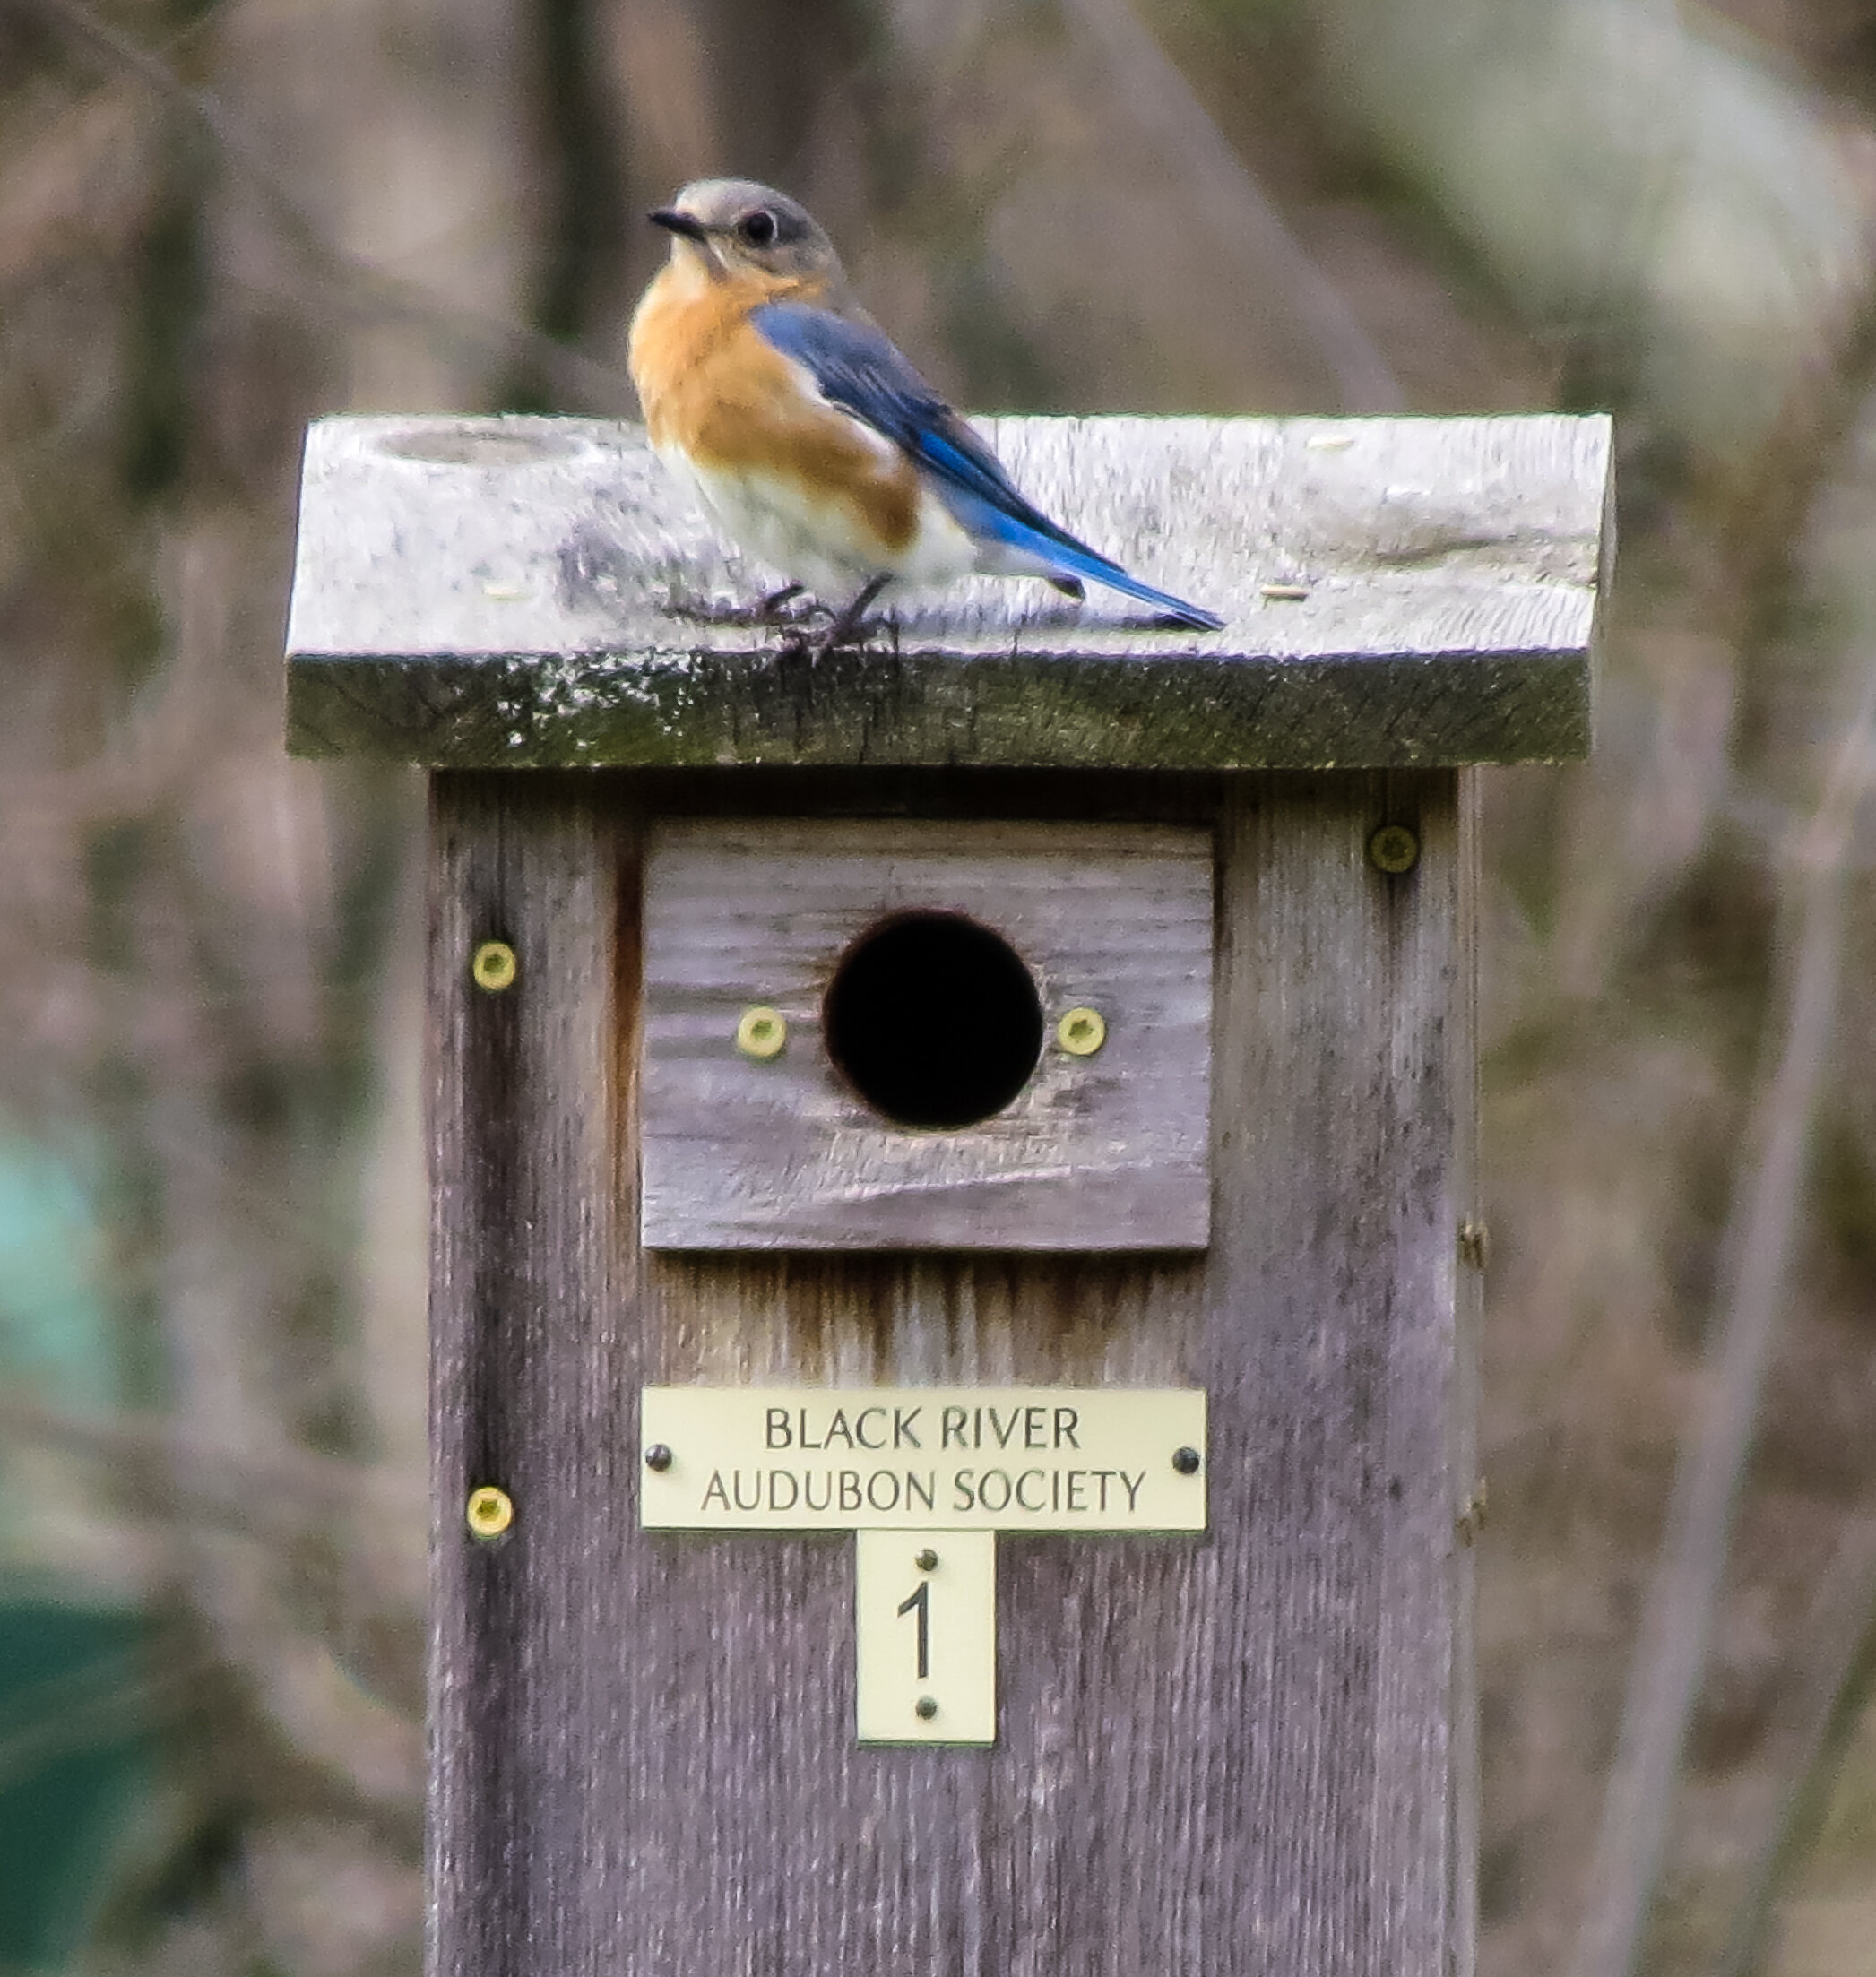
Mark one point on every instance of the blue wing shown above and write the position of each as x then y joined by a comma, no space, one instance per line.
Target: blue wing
860,369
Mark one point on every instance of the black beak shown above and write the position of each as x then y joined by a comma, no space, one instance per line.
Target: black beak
674,221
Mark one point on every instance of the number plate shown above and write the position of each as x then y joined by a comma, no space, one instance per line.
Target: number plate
925,1629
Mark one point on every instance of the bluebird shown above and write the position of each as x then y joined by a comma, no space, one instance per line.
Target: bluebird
810,436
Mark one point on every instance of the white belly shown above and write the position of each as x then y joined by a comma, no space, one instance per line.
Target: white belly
825,545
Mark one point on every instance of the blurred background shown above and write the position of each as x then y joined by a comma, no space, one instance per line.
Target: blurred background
219,218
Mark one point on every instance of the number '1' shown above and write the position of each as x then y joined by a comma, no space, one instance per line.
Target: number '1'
920,1603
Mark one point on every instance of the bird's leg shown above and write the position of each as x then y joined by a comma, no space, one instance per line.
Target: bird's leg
770,608
778,607
844,628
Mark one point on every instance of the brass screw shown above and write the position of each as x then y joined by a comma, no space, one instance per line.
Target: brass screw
1394,849
1475,1242
489,1512
762,1031
1186,1461
495,966
1082,1032
658,1457
925,1708
927,1560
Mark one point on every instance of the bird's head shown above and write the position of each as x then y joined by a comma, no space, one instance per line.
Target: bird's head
735,227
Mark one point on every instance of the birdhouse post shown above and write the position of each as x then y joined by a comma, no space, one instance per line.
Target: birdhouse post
955,1245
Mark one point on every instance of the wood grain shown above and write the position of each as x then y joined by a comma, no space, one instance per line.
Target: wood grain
1236,1754
1108,1152
517,593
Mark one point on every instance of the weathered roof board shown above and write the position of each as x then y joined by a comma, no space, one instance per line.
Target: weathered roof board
539,594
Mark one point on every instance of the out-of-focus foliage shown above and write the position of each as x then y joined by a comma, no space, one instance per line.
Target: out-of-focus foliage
1666,199
217,220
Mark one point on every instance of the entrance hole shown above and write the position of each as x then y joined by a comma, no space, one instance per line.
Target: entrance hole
934,1020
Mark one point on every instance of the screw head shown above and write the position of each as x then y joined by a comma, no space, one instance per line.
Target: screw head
1080,1032
927,1560
494,967
762,1031
1394,849
658,1457
1186,1461
925,1708
489,1512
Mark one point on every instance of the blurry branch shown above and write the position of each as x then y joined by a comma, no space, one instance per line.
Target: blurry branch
99,1705
369,1747
359,289
59,172
282,1491
159,752
1228,199
1686,217
1767,823
279,1498
1833,1654
1684,1586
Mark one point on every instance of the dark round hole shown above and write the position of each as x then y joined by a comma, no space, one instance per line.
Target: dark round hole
934,1020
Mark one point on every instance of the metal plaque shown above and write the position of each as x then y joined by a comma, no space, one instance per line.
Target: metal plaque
921,1459
926,1476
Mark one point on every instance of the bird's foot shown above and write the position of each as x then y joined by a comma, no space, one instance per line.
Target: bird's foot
848,627
790,605
845,629
801,642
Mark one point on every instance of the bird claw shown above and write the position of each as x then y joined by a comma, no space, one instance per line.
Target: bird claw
780,607
847,629
802,643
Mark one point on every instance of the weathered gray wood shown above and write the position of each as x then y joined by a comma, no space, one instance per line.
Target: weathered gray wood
512,593
1229,1755
1469,1311
1107,1152
528,1110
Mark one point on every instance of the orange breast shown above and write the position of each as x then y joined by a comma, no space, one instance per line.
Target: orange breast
715,390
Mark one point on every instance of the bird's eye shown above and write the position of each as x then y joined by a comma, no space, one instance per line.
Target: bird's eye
758,227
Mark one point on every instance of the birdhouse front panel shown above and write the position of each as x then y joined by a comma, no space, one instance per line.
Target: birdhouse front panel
926,1035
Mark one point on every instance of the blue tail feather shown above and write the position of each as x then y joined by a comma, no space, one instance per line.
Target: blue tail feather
1076,560
1060,556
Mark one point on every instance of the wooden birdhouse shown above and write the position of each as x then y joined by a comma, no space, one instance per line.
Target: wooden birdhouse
956,1246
